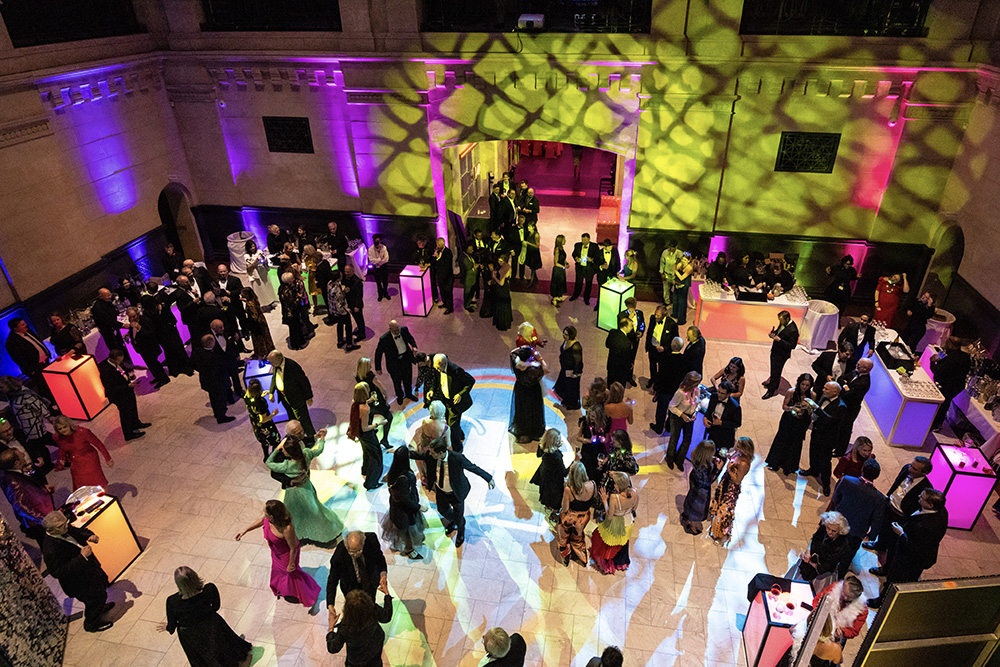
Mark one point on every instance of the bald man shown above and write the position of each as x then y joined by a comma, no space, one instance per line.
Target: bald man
106,320
357,563
451,385
855,386
828,417
210,363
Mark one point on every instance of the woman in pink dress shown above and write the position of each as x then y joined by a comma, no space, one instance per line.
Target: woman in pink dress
618,411
287,580
79,449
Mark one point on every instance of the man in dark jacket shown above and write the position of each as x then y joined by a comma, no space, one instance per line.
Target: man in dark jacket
950,368
355,288
227,344
586,255
855,387
620,352
119,388
451,385
228,285
831,366
859,334
397,346
292,387
469,270
495,201
445,270
827,418
862,505
609,264
70,559
213,375
918,537
784,338
105,317
357,563
660,333
28,351
638,319
157,305
902,500
723,416
147,344
670,372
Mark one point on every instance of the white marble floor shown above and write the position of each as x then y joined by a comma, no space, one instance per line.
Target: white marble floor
190,484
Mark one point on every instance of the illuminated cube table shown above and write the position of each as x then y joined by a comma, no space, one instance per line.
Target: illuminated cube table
721,315
612,302
965,477
262,371
903,409
117,544
415,288
767,632
76,386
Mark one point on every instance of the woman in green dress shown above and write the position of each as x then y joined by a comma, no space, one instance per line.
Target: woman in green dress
313,521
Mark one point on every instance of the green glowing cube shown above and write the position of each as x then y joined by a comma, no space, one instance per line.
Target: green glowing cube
612,301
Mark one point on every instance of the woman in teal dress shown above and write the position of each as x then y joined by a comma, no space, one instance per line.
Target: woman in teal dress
314,522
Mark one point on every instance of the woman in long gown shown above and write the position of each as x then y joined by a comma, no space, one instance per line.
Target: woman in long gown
593,438
206,638
609,543
288,294
310,260
533,257
567,386
502,315
380,406
362,429
557,283
431,429
682,283
786,448
723,507
620,456
551,472
841,277
619,412
403,525
79,449
287,579
527,411
700,480
261,417
887,295
574,514
313,520
256,325
256,262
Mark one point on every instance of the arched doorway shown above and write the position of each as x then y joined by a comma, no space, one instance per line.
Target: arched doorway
174,206
950,249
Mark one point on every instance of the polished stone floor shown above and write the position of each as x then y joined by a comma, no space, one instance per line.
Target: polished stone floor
191,484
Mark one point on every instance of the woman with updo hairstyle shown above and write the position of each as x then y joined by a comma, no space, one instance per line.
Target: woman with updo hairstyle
619,412
551,472
358,628
723,508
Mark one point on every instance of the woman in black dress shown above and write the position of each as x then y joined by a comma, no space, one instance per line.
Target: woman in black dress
700,481
533,257
288,295
786,448
593,438
204,635
551,473
557,284
359,629
403,524
381,405
527,411
361,429
567,386
502,315
841,277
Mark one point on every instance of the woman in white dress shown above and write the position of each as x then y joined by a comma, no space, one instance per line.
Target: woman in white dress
256,261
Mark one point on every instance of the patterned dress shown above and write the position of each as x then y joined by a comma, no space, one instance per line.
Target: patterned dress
723,507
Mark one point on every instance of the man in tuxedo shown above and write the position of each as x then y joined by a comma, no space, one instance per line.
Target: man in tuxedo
293,388
586,256
609,264
481,248
357,564
661,331
188,300
671,368
157,304
229,286
337,241
855,387
859,334
918,537
784,338
213,375
902,501
638,320
507,213
227,344
71,560
28,351
827,418
496,199
445,269
530,207
378,257
694,351
275,241
451,385
119,388
199,274
468,268
950,367
619,346
446,475
397,346
862,505
832,365
355,289
147,344
723,416
424,257
105,317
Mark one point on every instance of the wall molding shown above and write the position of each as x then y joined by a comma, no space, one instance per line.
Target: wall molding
20,131
106,83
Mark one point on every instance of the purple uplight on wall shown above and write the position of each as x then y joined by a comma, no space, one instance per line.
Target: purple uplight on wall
253,224
104,151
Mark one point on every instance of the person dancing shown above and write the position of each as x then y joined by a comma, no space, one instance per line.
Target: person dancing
574,515
362,429
403,525
723,507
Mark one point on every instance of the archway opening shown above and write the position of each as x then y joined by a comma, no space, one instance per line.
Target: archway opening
174,207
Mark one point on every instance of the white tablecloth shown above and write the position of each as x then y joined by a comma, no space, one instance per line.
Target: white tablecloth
982,420
820,325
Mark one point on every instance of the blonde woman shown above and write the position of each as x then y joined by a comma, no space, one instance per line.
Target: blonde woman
380,406
431,429
828,546
574,515
361,428
79,449
551,472
557,284
609,543
631,268
618,411
723,507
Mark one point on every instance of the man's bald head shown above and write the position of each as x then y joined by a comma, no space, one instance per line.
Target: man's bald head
208,341
189,263
218,327
865,365
394,327
293,428
831,389
104,294
355,542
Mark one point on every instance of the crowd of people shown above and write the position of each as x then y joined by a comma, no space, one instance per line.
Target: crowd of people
598,486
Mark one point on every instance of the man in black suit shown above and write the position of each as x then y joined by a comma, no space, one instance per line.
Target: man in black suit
827,418
855,387
147,344
213,375
199,274
397,346
119,388
481,252
105,317
638,320
275,240
660,333
495,201
157,304
468,269
950,368
784,338
357,564
227,344
671,368
446,475
28,351
188,300
29,452
293,388
337,241
445,269
507,212
229,286
586,256
901,501
832,365
694,351
530,207
207,312
859,334
451,385
355,288
609,264
619,346
515,241
862,505
71,560
497,248
424,258
723,416
918,537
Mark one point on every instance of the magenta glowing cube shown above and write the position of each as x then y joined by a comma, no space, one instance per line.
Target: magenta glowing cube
767,632
415,287
966,479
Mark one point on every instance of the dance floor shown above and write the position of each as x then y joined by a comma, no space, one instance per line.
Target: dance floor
191,484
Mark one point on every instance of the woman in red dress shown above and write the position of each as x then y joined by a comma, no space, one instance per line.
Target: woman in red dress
78,449
887,296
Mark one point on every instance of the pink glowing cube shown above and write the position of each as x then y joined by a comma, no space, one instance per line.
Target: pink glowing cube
966,479
415,287
767,632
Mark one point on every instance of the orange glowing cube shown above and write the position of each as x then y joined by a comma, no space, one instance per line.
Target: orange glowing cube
76,386
117,544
